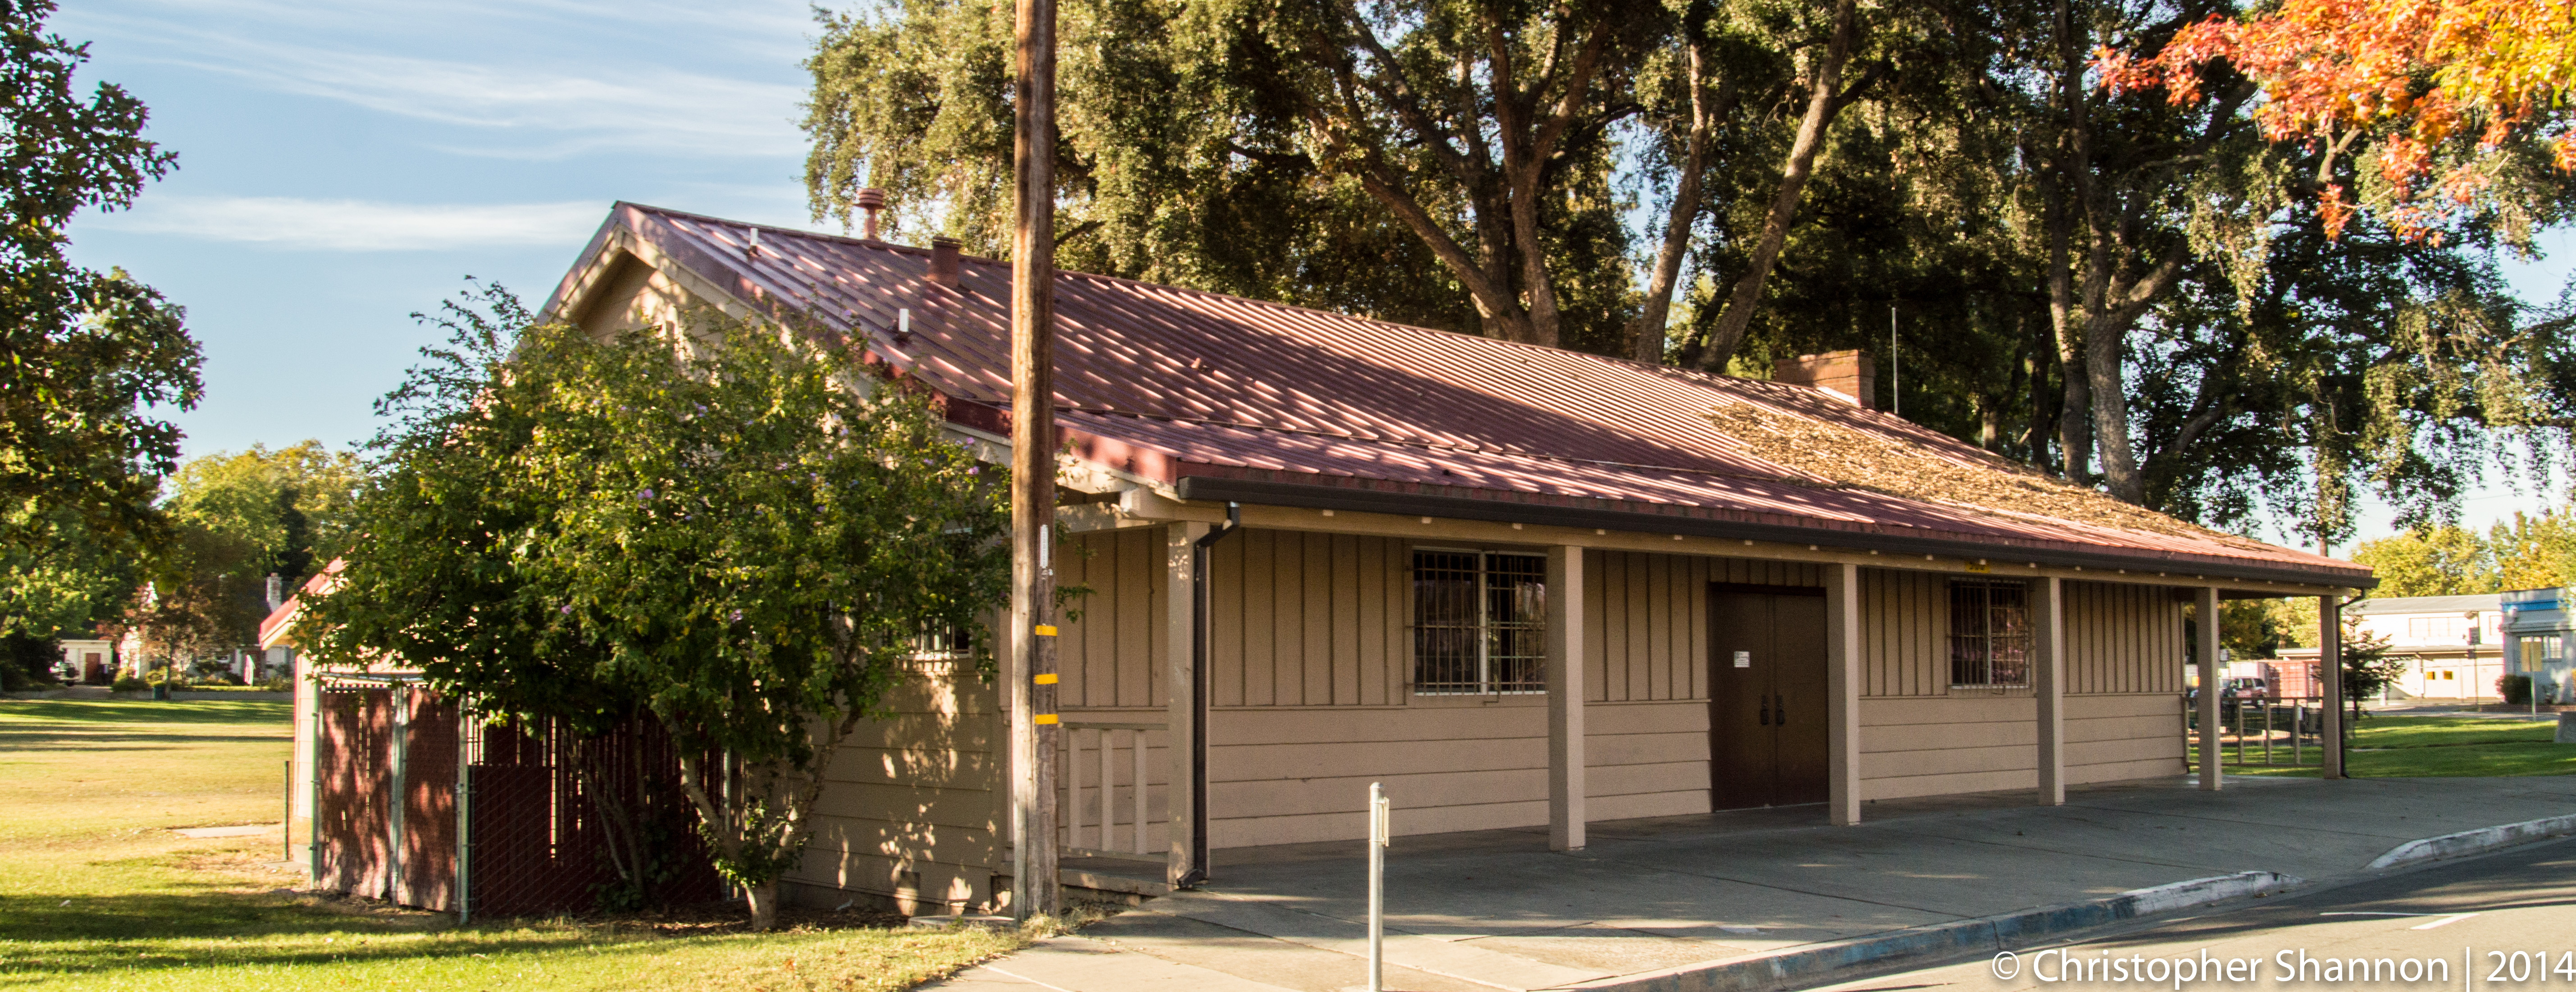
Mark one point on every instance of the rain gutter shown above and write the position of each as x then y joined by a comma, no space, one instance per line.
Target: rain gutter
1199,488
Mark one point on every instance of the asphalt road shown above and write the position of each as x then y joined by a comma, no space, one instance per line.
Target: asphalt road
2476,924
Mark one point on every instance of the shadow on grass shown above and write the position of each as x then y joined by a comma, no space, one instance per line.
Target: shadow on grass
70,932
146,711
86,740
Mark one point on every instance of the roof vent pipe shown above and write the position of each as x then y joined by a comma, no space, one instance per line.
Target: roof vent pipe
1847,375
871,200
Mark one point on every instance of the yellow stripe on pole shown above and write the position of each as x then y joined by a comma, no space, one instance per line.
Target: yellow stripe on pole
1044,678
1046,630
1043,719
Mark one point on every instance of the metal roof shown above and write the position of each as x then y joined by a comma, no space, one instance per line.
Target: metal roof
2451,605
1173,384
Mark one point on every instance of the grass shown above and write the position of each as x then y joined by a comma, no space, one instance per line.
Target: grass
2433,747
97,893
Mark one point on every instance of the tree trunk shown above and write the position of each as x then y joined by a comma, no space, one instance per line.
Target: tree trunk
1646,336
762,899
2108,382
1823,102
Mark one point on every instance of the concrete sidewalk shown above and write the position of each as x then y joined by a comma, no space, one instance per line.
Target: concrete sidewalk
1706,901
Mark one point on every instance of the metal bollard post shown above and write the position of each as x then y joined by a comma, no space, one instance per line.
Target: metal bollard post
2267,734
1378,809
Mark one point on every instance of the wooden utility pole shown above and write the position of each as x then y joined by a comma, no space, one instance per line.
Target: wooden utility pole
1034,730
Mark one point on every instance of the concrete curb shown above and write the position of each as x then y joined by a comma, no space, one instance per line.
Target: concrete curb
2474,841
1918,947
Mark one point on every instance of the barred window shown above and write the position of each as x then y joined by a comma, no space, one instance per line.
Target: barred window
943,642
1479,623
1989,633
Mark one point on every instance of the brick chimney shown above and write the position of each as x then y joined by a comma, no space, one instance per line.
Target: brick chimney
943,262
1849,375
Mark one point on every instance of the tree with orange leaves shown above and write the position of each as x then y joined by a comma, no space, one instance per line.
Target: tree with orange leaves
2454,107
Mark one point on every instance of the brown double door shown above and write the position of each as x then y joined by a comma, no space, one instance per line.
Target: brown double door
1767,716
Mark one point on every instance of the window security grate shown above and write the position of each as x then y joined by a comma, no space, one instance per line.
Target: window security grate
1989,634
1479,623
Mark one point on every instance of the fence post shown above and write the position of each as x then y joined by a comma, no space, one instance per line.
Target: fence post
1377,887
401,747
286,823
1136,747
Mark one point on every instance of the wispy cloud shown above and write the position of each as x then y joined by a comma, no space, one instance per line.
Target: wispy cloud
357,225
544,95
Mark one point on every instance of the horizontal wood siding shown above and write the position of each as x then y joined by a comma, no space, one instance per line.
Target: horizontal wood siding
1289,776
1312,656
912,815
2115,738
1930,747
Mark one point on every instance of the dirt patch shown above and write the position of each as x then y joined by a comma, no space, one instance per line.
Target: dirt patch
1854,459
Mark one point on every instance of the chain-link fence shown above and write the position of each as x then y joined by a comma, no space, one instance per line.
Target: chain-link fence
508,819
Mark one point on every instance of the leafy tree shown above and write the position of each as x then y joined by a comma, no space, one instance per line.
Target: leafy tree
1446,164
2534,552
238,518
67,582
440,574
2429,561
2367,668
84,355
736,531
2457,105
758,541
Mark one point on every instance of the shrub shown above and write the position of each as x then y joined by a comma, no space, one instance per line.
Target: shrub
278,683
2516,689
128,683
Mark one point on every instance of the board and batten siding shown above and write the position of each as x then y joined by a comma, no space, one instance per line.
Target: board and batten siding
1920,736
1311,659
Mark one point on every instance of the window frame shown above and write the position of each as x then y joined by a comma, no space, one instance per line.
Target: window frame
2016,639
1491,665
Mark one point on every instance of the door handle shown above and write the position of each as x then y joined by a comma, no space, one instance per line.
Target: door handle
1782,704
1766,711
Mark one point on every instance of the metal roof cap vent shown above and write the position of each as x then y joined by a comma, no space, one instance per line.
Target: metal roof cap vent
870,201
1848,375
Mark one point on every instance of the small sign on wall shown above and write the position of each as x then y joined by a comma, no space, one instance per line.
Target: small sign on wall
1744,659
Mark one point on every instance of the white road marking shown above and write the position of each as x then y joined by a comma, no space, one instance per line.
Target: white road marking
2443,922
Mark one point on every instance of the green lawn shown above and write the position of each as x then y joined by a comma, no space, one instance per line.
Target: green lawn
97,893
2434,747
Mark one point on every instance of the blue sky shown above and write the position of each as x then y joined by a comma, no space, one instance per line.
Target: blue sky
344,165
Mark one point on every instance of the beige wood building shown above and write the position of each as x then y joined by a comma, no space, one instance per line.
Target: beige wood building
1522,587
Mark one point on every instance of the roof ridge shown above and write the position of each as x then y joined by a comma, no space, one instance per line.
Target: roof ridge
963,256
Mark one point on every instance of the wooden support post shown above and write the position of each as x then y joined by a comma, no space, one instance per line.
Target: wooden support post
2048,682
1842,690
2213,680
1036,884
2330,677
1180,709
1565,755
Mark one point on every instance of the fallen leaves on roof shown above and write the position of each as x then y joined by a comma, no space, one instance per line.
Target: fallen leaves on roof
1852,458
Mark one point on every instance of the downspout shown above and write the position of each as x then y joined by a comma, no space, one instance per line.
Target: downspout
1198,870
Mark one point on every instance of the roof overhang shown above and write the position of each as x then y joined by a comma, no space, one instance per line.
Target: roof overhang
1314,497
